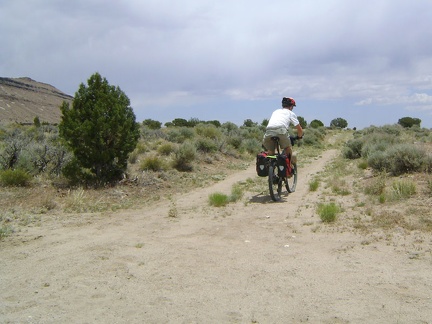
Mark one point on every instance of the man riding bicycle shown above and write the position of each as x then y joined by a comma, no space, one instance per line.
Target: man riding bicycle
278,126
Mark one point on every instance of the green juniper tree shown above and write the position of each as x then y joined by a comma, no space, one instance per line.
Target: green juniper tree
408,122
339,123
101,131
316,123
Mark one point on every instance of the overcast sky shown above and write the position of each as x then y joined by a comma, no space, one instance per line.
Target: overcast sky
368,61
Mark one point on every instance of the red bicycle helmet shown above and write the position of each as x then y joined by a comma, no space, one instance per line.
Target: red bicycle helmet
287,102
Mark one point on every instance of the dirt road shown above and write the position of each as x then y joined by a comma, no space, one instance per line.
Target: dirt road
255,261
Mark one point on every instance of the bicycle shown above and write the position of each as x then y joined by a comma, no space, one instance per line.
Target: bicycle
278,175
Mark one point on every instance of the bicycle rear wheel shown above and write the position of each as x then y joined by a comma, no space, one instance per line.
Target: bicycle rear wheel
291,182
275,183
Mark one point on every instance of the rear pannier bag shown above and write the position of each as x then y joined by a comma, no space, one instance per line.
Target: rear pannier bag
283,166
262,164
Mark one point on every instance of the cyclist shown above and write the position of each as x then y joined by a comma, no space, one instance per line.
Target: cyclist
278,126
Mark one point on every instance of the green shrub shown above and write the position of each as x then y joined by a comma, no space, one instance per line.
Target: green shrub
428,164
152,163
218,199
353,149
328,212
77,174
208,131
405,158
166,149
184,156
229,128
235,141
254,132
206,145
141,148
251,146
313,137
362,165
377,143
180,134
378,161
15,178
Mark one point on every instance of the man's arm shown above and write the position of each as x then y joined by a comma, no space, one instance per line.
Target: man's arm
299,131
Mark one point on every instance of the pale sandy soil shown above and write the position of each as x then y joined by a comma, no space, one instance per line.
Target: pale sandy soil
251,262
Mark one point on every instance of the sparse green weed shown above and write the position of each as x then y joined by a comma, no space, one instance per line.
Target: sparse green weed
236,192
314,184
328,212
5,230
218,199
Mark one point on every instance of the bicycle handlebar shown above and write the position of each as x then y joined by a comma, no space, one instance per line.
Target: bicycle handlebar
293,139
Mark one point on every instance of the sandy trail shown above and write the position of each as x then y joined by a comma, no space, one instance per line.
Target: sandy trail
253,262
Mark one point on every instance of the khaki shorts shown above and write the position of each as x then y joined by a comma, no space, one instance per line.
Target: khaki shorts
269,144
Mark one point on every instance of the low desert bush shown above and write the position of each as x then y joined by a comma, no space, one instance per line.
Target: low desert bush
428,164
15,178
328,212
235,141
313,184
152,163
405,158
208,131
206,145
165,148
184,156
384,153
353,149
378,161
180,134
362,165
313,137
218,199
251,146
378,141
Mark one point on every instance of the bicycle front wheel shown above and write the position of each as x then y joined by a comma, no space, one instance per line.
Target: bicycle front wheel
291,182
275,183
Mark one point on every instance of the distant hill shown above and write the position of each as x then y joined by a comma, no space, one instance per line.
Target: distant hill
23,99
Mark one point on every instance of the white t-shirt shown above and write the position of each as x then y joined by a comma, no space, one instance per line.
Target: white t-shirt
281,118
